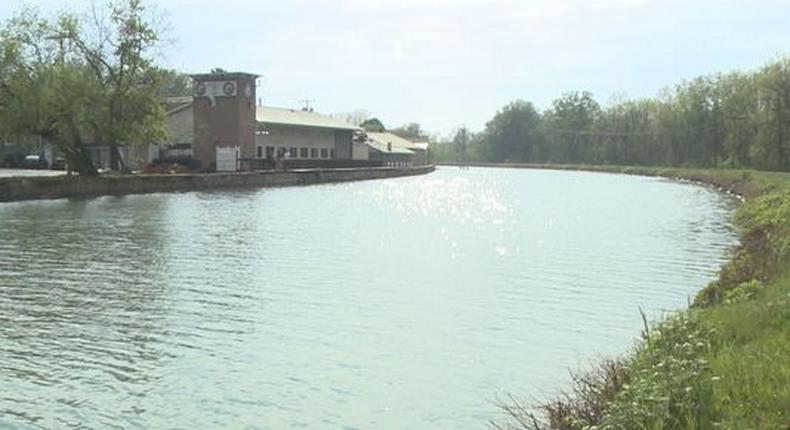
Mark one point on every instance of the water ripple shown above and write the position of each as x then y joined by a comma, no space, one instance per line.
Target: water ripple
409,302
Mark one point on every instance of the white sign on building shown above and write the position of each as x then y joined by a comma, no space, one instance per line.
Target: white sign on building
213,89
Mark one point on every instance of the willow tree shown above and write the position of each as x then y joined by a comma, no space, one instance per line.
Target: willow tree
74,82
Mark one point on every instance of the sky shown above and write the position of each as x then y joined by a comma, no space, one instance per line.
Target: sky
452,63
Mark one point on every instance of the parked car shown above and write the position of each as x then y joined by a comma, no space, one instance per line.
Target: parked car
34,161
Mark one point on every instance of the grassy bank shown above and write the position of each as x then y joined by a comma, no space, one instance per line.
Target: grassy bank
722,363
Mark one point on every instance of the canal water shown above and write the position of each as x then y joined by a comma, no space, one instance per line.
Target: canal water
401,303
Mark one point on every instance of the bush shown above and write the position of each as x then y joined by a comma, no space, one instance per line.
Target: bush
764,251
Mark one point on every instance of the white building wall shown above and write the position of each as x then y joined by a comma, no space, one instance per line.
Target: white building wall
319,143
360,151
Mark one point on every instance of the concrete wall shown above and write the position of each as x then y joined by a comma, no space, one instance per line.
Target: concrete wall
21,188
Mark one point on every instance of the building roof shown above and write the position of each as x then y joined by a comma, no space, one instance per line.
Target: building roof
224,75
276,116
389,143
381,140
175,104
382,147
297,117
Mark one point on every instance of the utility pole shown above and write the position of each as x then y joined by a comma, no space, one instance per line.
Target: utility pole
461,140
307,104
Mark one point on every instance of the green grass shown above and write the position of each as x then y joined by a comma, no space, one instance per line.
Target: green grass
723,363
752,358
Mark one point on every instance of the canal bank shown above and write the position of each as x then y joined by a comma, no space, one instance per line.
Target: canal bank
719,363
30,188
744,183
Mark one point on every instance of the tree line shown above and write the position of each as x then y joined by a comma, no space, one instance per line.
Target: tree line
736,120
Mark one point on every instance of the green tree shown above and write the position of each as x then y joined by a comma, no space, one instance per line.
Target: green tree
513,134
45,91
738,105
411,131
772,146
61,85
373,125
174,83
569,122
733,120
121,58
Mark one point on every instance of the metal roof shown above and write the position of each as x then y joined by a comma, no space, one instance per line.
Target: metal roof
297,117
389,143
394,150
380,140
175,104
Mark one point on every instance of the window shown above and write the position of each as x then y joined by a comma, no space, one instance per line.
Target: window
269,152
280,152
303,153
259,152
292,152
313,152
331,153
324,153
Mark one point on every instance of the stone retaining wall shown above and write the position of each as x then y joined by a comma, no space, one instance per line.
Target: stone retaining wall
28,188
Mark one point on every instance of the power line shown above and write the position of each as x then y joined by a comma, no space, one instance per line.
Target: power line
603,133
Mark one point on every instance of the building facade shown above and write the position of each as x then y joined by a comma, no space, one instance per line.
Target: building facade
223,118
395,151
302,134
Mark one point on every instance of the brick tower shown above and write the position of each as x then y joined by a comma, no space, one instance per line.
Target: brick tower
224,110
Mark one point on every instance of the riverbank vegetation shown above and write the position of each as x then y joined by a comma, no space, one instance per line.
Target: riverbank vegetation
722,363
735,120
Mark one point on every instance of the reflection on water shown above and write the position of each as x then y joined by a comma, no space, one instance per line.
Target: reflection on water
400,303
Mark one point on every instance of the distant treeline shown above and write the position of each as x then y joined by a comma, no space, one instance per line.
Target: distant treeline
726,120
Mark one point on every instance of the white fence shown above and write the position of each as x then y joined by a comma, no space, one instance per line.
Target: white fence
228,158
